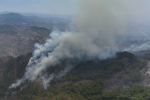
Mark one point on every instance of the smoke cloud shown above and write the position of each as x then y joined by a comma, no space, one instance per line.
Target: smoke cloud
99,24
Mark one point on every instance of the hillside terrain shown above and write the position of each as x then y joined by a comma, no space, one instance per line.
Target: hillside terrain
120,78
18,19
17,40
18,33
124,77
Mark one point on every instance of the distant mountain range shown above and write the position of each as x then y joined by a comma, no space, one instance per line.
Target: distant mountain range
60,22
41,15
14,18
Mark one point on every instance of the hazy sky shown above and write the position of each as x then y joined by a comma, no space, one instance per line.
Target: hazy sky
40,6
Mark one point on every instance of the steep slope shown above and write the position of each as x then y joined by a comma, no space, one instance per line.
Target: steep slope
87,81
11,69
17,40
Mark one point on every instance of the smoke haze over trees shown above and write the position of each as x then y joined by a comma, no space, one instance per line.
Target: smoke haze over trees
99,23
102,31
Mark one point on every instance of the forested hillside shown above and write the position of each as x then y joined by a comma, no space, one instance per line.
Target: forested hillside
11,69
86,81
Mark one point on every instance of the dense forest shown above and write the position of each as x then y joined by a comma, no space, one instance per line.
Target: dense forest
84,82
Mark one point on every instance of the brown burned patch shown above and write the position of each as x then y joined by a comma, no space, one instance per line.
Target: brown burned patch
37,84
116,81
146,75
119,79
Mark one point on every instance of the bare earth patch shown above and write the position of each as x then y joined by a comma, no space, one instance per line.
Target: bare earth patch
118,80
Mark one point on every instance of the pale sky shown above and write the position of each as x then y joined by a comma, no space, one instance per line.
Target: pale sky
40,6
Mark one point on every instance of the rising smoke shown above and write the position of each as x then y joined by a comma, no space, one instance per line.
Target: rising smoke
99,24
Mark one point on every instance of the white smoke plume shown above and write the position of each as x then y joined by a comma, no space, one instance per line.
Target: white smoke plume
98,22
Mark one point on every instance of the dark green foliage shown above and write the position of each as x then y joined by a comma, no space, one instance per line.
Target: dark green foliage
135,77
125,54
21,69
93,88
136,92
8,75
31,92
19,64
19,58
109,95
39,30
85,81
